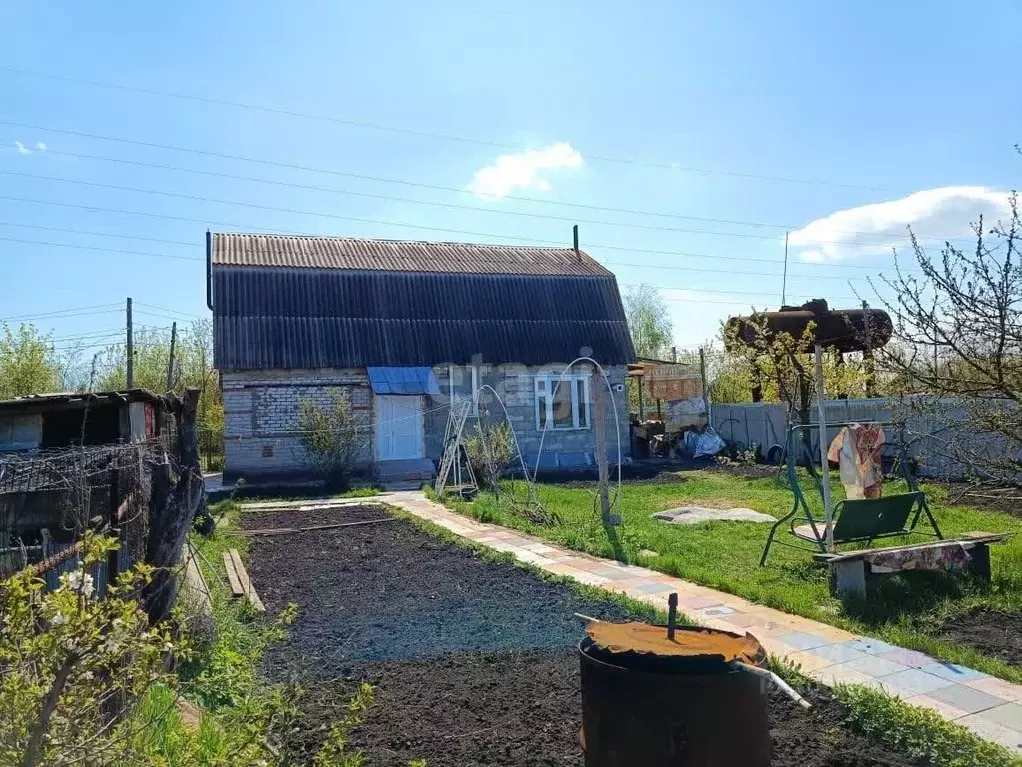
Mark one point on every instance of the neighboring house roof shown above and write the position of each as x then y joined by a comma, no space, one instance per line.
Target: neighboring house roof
307,302
36,403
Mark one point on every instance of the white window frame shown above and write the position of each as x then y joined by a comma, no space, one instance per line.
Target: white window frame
475,387
547,385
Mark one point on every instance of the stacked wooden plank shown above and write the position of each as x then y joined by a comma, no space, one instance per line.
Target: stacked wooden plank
237,577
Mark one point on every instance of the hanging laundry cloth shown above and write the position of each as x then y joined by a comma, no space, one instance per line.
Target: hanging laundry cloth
856,450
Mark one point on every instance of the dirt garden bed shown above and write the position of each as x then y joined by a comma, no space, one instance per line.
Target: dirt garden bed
473,661
990,631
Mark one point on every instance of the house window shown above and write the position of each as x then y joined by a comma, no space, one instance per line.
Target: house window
562,403
458,391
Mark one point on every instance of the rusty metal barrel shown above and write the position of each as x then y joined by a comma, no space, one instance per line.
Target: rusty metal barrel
655,702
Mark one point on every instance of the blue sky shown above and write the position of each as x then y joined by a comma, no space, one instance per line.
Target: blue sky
680,109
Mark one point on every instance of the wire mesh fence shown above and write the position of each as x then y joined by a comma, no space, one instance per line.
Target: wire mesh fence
49,499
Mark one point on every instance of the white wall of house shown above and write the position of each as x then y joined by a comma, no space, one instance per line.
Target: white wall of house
261,415
261,412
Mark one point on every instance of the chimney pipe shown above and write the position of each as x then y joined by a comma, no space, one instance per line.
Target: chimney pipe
574,231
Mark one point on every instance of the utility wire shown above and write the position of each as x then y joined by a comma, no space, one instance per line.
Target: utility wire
674,167
493,211
602,261
197,198
170,311
292,232
20,225
76,246
75,312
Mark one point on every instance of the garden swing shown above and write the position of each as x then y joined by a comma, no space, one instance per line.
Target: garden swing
851,520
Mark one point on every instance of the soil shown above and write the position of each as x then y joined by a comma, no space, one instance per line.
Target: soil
746,470
473,662
389,591
991,632
1005,500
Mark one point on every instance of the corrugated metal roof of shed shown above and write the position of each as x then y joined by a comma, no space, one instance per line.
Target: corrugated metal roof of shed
239,249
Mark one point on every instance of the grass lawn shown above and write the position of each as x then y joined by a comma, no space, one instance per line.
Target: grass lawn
725,556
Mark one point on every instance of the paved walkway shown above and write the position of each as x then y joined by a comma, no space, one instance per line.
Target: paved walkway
990,707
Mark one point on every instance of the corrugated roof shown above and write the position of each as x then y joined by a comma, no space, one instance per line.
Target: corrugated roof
237,249
31,401
311,318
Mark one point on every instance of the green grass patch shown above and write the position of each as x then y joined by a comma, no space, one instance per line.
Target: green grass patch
725,556
919,732
224,672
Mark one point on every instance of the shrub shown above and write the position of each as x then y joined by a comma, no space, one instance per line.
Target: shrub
332,439
490,452
86,681
74,665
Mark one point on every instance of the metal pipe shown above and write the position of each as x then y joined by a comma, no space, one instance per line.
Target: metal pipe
821,392
783,686
672,614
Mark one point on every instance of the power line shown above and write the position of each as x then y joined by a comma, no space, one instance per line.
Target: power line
108,333
604,262
79,311
99,234
80,336
77,246
662,288
331,190
417,184
197,258
161,316
432,203
675,167
196,198
505,237
170,311
176,315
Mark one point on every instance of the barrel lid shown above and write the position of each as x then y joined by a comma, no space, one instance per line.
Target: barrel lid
689,642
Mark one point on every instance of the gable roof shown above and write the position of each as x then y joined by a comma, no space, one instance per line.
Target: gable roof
230,249
305,302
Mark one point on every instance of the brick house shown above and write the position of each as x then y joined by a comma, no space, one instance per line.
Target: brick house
406,329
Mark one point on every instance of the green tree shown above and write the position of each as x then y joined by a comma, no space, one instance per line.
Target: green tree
193,368
28,362
648,321
783,368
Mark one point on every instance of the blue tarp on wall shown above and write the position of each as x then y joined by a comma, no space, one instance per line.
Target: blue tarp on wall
403,380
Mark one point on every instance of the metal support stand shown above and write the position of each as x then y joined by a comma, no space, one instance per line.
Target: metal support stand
824,463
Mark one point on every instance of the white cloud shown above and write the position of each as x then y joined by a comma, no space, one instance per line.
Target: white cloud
524,170
24,150
943,213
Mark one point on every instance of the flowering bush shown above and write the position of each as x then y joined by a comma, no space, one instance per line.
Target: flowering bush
86,680
73,667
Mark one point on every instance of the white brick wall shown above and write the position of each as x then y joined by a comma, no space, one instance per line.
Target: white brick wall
261,415
262,407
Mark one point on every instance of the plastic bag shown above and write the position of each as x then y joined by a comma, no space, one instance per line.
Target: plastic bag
703,444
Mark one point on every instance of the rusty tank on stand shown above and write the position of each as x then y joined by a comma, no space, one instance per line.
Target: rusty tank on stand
842,329
653,701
